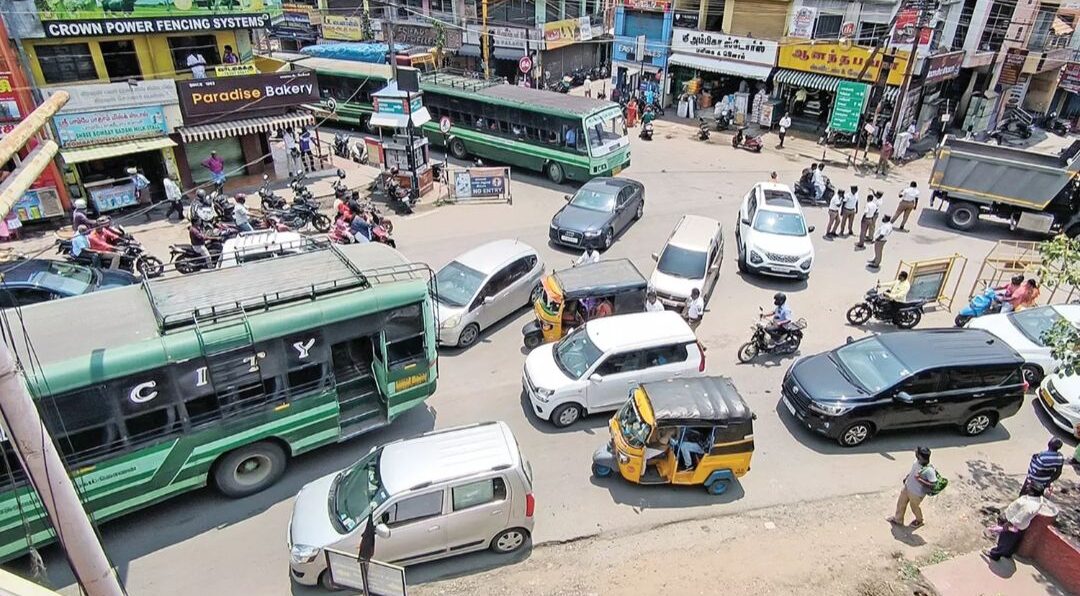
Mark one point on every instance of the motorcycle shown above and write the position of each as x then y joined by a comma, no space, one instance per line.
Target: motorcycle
341,144
987,303
904,315
1015,127
268,199
723,121
298,216
223,208
646,131
300,189
763,342
133,258
401,198
1055,125
805,192
703,130
749,143
187,260
358,152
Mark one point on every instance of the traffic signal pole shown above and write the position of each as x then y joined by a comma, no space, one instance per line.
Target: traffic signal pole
18,413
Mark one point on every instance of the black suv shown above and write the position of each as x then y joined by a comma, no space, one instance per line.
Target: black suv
963,377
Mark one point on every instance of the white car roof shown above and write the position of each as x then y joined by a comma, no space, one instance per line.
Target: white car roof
638,330
791,206
694,232
252,241
447,455
489,258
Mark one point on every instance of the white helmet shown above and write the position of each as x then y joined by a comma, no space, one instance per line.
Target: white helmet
80,203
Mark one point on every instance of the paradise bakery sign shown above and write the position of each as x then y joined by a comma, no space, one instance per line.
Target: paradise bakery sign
208,97
131,17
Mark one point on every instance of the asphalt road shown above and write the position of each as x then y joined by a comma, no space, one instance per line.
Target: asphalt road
204,543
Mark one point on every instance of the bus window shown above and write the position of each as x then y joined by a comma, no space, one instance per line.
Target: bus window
404,335
605,132
84,424
306,379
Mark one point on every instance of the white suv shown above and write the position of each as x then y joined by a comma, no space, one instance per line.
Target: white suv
594,368
772,236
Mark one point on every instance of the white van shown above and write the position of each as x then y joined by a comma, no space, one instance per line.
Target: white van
444,493
261,244
594,367
690,259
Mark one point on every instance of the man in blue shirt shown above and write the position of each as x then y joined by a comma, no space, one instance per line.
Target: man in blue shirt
79,242
779,317
571,138
1045,466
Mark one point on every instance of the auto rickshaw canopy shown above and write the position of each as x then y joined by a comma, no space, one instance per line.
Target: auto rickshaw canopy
702,401
604,278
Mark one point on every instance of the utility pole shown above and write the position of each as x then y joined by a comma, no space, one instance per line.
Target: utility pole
920,24
484,39
19,414
390,41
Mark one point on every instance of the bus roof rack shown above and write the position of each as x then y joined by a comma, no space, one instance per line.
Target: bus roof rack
235,292
460,79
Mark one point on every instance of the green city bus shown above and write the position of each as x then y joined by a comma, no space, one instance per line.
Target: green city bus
218,377
566,137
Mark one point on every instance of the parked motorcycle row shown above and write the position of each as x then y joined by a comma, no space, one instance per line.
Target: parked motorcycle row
575,78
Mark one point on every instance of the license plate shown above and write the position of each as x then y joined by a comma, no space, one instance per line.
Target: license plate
1049,401
790,407
410,381
568,238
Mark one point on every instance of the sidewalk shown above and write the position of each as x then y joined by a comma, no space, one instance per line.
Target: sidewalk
974,575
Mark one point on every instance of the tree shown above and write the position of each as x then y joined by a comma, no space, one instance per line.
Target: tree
440,43
1060,267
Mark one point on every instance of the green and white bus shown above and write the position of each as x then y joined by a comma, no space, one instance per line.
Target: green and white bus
566,137
218,377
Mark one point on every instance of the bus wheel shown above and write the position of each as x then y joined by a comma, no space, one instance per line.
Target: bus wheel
249,469
457,149
555,173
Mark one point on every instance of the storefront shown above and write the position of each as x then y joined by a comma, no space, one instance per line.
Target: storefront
506,46
1067,99
715,66
808,74
567,47
297,27
44,199
941,93
234,117
640,50
106,129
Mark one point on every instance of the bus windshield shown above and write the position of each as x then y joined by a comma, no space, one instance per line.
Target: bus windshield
605,132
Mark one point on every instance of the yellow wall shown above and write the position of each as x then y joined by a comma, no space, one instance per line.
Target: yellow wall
764,19
155,60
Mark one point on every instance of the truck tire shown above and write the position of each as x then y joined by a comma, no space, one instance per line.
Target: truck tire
962,215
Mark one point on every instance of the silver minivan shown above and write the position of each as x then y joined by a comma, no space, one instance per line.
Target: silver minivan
441,494
483,286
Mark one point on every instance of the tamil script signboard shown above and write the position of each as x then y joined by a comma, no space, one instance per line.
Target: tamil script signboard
131,17
110,126
472,184
726,47
848,107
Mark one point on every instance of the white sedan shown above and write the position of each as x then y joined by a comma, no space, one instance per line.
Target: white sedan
1024,330
1060,397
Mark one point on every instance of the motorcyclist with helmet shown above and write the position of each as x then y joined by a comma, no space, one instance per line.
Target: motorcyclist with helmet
779,317
202,209
104,241
79,217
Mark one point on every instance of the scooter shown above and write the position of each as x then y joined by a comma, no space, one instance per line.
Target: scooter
400,198
646,131
703,130
267,198
762,342
904,315
749,143
987,303
358,152
1055,125
805,192
723,121
341,144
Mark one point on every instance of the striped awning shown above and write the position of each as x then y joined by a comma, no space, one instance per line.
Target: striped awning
813,80
239,128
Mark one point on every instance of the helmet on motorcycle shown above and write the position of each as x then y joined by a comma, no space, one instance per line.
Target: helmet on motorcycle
779,298
80,203
200,194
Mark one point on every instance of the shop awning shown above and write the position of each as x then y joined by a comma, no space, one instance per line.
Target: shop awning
419,118
812,80
84,154
738,69
239,128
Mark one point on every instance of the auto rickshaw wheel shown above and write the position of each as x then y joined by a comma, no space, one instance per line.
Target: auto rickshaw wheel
601,471
718,487
533,340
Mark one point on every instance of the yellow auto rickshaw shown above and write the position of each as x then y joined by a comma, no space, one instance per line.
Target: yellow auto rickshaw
680,431
570,297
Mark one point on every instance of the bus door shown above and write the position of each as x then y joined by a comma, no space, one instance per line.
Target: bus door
402,363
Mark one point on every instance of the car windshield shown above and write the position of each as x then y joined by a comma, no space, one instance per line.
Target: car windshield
357,492
605,132
596,198
634,430
576,353
680,262
778,222
1035,322
457,284
871,365
63,278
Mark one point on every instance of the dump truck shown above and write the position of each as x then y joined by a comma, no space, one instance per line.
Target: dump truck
1036,192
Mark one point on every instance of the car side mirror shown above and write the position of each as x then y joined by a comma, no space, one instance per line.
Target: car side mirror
655,257
904,397
596,377
810,230
567,197
848,339
489,299
745,221
382,531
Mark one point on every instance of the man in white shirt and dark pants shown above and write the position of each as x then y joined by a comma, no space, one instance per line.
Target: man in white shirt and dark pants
909,200
197,64
880,237
869,219
695,309
836,206
785,123
851,207
652,304
1018,516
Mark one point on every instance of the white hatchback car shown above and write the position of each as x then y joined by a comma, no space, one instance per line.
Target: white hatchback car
1060,398
484,286
594,368
690,259
771,235
1023,331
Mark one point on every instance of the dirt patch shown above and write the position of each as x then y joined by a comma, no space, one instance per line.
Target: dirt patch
1066,494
